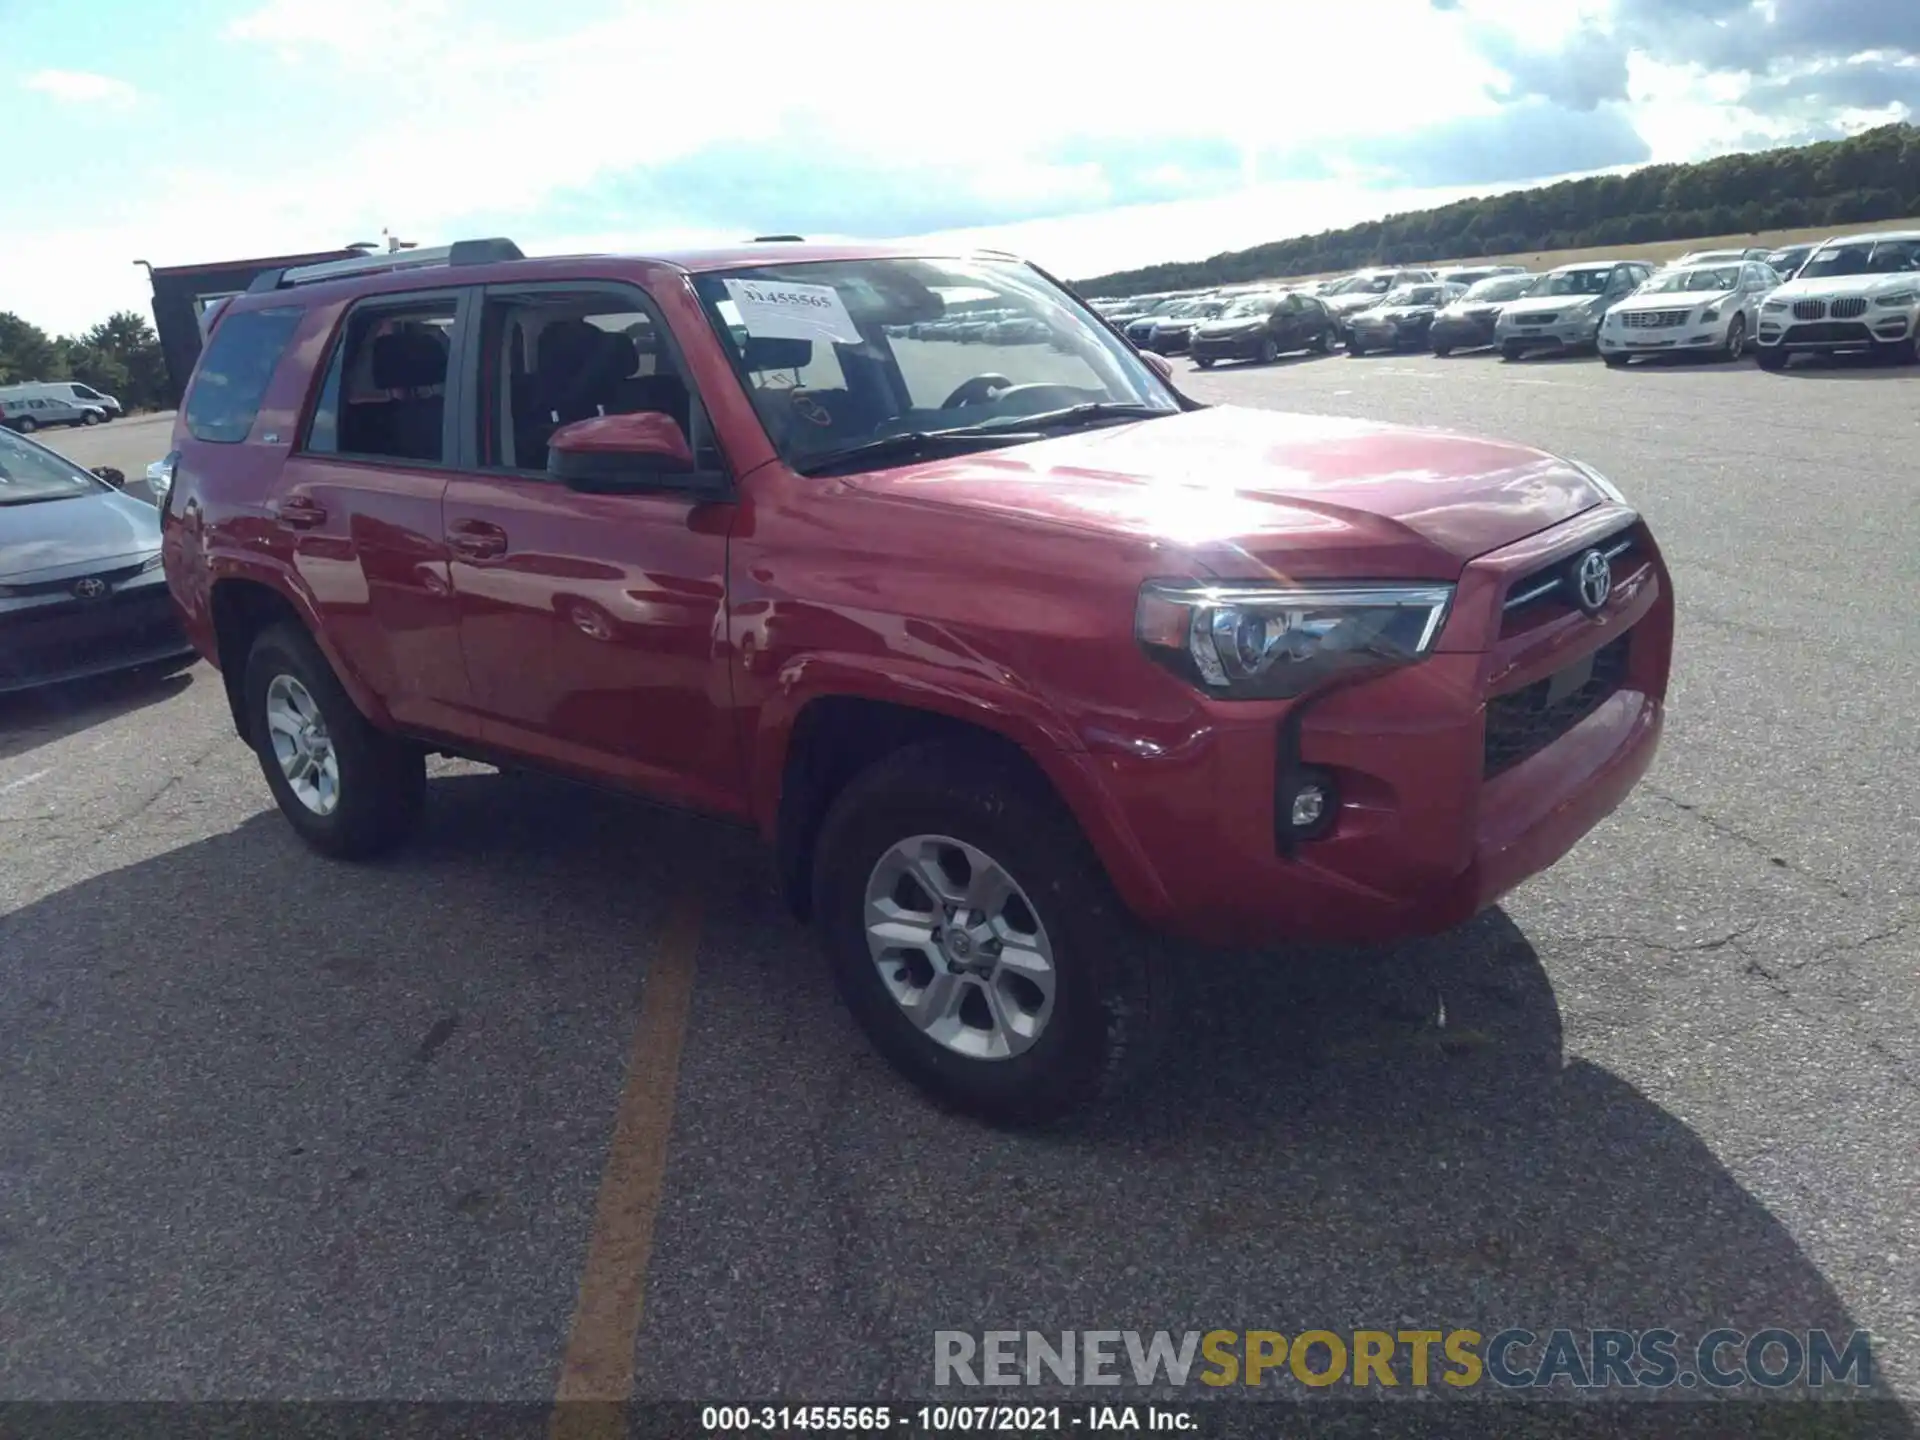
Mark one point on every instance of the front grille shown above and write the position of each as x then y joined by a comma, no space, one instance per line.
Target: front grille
114,577
1848,309
1546,319
1652,319
1550,582
1526,722
1827,332
1809,309
54,640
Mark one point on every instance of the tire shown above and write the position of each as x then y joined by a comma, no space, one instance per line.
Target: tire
87,417
1203,362
1442,351
26,424
1354,344
1096,1032
1323,342
1269,352
1615,362
1512,350
1736,342
1770,359
380,781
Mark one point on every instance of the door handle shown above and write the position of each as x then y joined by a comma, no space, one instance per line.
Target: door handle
477,540
300,512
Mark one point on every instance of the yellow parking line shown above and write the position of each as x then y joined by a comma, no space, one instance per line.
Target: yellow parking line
598,1364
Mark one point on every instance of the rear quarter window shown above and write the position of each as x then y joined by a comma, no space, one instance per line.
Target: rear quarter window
234,373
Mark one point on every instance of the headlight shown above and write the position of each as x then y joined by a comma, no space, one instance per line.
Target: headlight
1605,486
1773,305
1256,641
1897,297
152,562
1712,312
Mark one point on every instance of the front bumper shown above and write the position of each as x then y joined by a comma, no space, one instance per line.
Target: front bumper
1244,346
1656,340
1786,331
61,639
1561,334
1457,334
1430,826
1170,342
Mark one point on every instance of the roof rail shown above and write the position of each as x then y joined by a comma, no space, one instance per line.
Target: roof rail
769,239
461,252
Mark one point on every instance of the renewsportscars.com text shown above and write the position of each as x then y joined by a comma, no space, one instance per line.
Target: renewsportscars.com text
1514,1359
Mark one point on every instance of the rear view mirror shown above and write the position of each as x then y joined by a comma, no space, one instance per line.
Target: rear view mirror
620,452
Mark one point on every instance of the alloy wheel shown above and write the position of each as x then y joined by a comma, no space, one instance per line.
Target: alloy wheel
298,732
959,947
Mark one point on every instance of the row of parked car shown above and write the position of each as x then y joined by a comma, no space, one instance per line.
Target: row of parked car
1856,292
32,405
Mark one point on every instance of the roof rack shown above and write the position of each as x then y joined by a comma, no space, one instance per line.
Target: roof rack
461,252
770,239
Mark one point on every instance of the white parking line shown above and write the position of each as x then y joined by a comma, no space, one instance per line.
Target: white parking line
23,781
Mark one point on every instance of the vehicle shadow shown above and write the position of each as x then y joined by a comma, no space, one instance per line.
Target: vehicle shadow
32,718
274,1126
1846,367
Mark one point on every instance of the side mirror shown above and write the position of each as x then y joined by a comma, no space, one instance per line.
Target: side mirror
644,450
1161,365
115,478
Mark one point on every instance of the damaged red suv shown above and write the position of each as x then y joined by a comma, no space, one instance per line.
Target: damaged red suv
1011,652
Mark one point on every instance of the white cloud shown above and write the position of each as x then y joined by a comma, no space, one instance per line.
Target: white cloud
81,87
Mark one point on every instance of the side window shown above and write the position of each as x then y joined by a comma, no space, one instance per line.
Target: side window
384,395
551,358
234,372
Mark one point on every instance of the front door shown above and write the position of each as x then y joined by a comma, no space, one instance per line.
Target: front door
593,624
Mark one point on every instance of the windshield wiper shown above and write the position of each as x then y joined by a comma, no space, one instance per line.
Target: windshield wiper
1091,410
909,445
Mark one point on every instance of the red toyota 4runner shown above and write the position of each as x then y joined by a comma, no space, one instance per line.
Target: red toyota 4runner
1009,650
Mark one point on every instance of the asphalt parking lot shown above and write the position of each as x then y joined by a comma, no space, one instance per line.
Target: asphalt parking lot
275,1127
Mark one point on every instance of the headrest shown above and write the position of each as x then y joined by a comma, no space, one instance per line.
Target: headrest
620,357
765,354
566,346
408,360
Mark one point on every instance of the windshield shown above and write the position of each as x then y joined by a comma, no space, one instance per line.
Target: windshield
1362,285
1881,257
1417,295
1710,257
29,473
1260,305
1501,287
1575,282
86,392
1707,277
825,352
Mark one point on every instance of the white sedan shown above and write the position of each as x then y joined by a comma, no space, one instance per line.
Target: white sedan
1702,309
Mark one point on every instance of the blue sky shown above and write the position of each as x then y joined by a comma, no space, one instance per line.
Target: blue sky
1090,137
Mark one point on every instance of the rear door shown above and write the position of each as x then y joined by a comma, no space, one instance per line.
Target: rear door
358,505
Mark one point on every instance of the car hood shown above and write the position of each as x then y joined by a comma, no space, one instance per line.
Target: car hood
1478,310
1239,325
1401,312
1674,300
1545,304
1834,286
1344,304
1254,493
1184,322
43,539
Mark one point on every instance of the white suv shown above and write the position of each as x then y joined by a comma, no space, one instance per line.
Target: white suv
1859,292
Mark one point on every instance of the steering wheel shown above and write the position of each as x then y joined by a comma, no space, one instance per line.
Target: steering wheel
977,391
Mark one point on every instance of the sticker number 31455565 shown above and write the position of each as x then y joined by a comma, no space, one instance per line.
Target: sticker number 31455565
793,312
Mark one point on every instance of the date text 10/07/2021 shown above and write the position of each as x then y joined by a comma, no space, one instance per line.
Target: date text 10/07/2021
968,1419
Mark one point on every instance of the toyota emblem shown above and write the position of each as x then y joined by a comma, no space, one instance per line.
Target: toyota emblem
91,588
1592,581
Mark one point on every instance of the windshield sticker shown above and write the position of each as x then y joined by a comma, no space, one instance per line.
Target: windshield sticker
793,312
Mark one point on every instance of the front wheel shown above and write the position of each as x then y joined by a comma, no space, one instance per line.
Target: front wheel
88,417
1770,359
1512,350
348,789
1442,351
1323,342
1269,352
974,936
1203,362
1355,345
1736,342
1614,362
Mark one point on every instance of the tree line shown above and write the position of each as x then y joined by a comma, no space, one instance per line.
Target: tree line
1871,176
119,357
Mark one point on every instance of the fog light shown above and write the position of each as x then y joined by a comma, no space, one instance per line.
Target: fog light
1309,804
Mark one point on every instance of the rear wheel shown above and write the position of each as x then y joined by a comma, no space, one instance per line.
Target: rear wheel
350,790
1512,350
89,417
1203,362
1269,352
974,936
26,424
1443,351
1614,362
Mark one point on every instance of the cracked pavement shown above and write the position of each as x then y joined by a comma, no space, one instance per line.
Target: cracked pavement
279,1128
